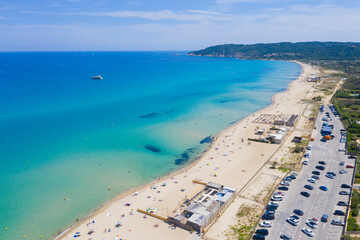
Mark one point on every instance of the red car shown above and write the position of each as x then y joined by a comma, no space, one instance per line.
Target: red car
349,166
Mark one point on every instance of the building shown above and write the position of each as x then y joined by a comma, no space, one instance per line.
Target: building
200,211
286,119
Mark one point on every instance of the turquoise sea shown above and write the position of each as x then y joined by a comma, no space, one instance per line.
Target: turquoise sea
64,135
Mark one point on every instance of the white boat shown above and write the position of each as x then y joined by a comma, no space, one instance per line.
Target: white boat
99,77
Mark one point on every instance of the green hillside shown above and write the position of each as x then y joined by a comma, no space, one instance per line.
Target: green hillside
286,51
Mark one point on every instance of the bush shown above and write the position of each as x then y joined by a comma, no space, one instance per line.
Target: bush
355,211
352,225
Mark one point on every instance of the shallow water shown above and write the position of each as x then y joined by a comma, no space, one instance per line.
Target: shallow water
63,135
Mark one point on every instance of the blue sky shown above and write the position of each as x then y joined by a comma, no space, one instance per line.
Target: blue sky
57,25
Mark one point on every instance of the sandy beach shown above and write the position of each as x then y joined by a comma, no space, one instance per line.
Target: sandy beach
231,160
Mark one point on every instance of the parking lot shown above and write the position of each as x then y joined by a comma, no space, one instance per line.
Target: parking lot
319,202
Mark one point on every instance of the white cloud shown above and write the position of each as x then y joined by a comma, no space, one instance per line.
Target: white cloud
189,15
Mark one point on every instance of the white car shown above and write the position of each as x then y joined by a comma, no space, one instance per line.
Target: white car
309,147
265,224
311,180
294,173
285,183
275,204
337,222
341,149
279,194
308,232
276,198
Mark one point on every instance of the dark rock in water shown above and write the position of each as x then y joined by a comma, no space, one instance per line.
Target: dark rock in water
150,115
185,156
208,139
155,114
152,148
232,123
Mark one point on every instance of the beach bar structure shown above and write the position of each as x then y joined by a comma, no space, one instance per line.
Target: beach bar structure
202,209
286,119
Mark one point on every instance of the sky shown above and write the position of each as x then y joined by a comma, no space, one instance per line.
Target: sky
128,25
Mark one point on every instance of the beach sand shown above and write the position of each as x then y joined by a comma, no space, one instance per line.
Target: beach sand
233,159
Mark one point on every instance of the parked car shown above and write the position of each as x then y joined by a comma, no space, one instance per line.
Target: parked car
309,187
339,212
331,173
268,216
294,173
353,157
324,188
349,166
293,177
274,204
292,221
283,188
322,162
324,218
305,194
295,217
298,212
345,186
344,193
313,220
279,194
329,176
258,237
262,231
271,208
311,180
265,224
276,198
285,237
315,172
308,232
311,224
320,167
342,163
285,183
315,177
337,222
342,203
342,171
305,162
323,140
309,147
342,150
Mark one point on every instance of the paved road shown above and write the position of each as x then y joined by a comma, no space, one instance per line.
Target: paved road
319,202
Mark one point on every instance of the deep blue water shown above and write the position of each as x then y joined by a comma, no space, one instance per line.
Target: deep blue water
63,134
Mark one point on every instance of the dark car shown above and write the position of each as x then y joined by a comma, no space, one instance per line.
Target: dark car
354,157
344,193
271,208
339,212
320,167
262,231
268,216
324,218
292,177
345,186
323,140
342,203
298,212
331,173
315,177
285,237
258,237
283,188
309,187
322,162
315,172
305,194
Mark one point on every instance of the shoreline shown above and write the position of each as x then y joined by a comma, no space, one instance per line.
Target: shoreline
188,166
